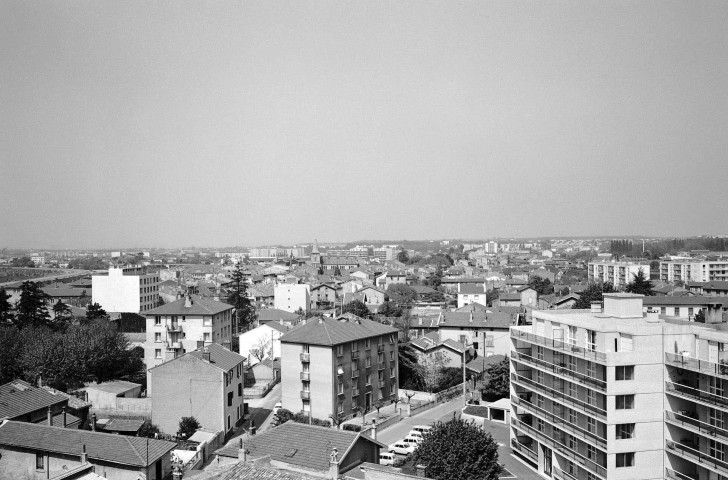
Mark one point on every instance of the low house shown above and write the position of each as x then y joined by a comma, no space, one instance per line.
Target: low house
390,278
716,288
103,395
263,341
715,309
206,384
370,296
38,452
508,300
471,293
567,301
306,449
267,315
323,297
23,402
451,351
528,296
486,332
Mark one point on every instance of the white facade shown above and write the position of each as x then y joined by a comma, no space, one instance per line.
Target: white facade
264,336
686,271
618,273
291,297
128,290
468,298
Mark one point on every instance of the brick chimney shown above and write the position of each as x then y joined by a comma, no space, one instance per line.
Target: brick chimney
242,454
334,465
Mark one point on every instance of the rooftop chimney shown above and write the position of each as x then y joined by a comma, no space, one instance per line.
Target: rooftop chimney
64,417
242,454
470,320
93,422
206,354
84,455
50,417
188,301
374,429
334,464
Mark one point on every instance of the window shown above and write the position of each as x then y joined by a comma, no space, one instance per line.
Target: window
380,358
367,343
624,430
591,340
206,336
715,450
625,459
539,353
341,387
572,468
572,336
391,372
573,364
591,370
158,353
340,407
368,362
573,417
539,377
157,337
230,399
624,402
369,378
306,406
539,400
354,347
591,452
240,389
715,417
540,425
572,391
573,443
305,348
339,350
663,310
590,396
391,338
391,355
690,312
677,311
489,340
157,320
39,461
715,386
591,425
624,372
306,386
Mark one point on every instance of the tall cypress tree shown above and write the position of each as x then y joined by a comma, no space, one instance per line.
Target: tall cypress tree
32,309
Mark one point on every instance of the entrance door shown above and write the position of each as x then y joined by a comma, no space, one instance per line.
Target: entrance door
547,461
368,400
158,470
713,352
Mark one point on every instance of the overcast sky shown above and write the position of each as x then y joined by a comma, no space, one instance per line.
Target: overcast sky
172,123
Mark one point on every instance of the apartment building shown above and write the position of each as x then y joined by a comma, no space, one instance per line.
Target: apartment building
616,393
177,327
292,297
331,365
692,271
618,273
127,290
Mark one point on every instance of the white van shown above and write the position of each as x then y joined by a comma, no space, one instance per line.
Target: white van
386,458
422,429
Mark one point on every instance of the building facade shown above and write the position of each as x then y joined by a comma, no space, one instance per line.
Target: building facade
291,297
618,273
688,271
128,290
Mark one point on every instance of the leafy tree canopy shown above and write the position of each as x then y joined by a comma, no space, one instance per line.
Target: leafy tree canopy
498,384
31,309
594,292
401,294
237,296
358,308
6,310
94,311
188,426
458,450
148,429
542,285
389,309
640,284
403,256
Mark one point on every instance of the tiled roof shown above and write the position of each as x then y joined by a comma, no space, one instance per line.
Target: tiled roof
19,397
475,320
259,472
73,401
220,356
310,445
473,307
479,364
274,314
509,296
120,425
422,289
471,289
330,331
340,261
716,285
72,421
120,449
463,280
200,306
682,300
64,292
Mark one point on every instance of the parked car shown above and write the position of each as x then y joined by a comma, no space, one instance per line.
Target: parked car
422,429
386,458
411,441
401,448
416,435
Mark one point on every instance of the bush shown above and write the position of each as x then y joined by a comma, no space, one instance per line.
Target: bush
300,417
476,410
188,426
352,428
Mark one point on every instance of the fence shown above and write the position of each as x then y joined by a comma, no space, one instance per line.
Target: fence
388,422
259,390
134,405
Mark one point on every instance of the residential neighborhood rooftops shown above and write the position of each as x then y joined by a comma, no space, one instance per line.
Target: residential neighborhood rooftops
330,331
126,450
193,305
472,289
19,398
220,356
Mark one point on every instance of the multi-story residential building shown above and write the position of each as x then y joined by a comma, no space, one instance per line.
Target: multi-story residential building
616,393
692,271
471,293
618,273
177,327
206,384
127,290
331,365
292,297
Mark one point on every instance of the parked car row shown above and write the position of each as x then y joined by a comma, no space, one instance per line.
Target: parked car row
405,446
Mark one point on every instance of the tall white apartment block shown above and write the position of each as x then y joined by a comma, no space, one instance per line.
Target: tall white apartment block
291,297
614,393
128,290
690,271
619,273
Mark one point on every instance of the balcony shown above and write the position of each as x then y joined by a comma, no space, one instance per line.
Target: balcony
702,366
524,450
562,475
691,453
561,370
306,357
696,426
306,376
671,474
560,448
560,396
355,374
586,353
305,395
174,327
354,392
695,394
355,355
174,345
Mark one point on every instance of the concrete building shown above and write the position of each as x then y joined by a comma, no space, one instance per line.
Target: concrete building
329,366
471,293
178,327
692,271
128,289
619,273
292,298
615,393
206,384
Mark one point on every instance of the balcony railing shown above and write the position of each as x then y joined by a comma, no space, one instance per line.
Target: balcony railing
305,357
692,393
354,373
560,396
696,456
561,370
174,327
306,395
524,450
586,353
561,449
562,475
671,474
696,365
561,423
174,345
695,425
306,376
355,355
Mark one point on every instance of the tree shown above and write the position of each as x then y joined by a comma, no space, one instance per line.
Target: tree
594,292
492,295
261,349
337,271
389,309
148,429
542,285
94,311
32,309
700,316
378,406
403,256
237,296
498,384
401,294
188,426
6,310
430,370
23,262
408,358
640,284
62,315
458,450
357,308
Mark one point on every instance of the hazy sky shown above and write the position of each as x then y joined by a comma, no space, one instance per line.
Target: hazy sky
170,123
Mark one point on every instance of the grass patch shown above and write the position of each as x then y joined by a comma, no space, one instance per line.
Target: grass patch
476,410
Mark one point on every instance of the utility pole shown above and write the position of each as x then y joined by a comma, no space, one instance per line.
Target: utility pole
465,396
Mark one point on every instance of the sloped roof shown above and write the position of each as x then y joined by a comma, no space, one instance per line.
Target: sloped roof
422,289
64,292
716,285
220,356
120,449
73,401
200,306
330,331
473,307
246,470
463,280
471,289
275,314
305,446
475,320
19,398
509,296
479,364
